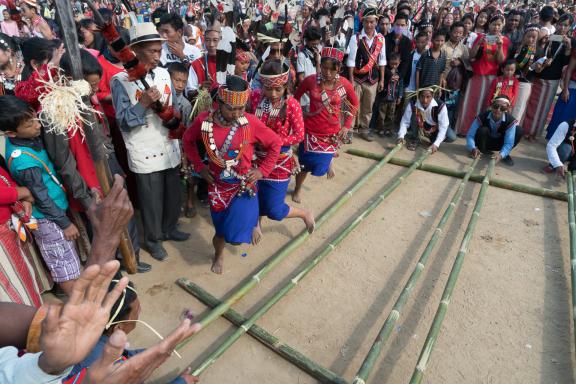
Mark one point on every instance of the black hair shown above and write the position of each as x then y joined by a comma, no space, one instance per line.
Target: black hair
401,16
106,14
394,56
335,63
157,15
173,19
90,65
469,16
420,35
507,63
457,24
312,33
129,297
236,83
13,111
546,13
566,16
177,67
39,50
321,12
439,32
8,43
190,18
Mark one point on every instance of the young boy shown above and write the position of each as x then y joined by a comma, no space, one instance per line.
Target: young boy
30,166
421,43
179,76
505,85
424,118
391,95
431,66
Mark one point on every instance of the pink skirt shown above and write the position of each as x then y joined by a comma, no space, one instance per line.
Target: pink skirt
539,106
474,97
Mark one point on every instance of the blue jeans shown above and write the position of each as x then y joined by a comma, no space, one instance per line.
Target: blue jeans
564,151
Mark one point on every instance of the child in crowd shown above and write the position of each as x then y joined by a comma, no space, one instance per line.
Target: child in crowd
505,85
391,95
431,66
421,43
30,166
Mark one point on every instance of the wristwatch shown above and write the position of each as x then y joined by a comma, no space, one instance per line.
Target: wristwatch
185,60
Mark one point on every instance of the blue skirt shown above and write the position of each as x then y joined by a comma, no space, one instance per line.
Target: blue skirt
562,112
315,163
236,223
271,195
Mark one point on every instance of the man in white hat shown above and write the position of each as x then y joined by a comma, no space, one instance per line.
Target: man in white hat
152,155
38,26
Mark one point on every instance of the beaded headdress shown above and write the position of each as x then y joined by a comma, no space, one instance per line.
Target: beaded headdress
234,98
332,53
271,81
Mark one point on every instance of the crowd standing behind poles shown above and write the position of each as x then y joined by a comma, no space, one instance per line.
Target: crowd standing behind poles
233,98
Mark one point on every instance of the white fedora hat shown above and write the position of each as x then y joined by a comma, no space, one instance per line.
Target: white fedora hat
144,32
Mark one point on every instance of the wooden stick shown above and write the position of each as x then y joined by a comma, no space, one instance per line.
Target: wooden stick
309,366
296,278
436,327
498,183
289,248
386,330
103,173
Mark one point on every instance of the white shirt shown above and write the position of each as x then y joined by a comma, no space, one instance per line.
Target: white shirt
353,48
443,121
555,141
192,53
469,41
412,86
25,369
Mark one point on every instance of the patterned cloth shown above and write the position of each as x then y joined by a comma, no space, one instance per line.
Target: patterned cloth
58,253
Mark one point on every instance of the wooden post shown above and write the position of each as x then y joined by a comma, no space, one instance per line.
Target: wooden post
68,28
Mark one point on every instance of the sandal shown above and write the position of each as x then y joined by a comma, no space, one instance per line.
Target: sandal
411,146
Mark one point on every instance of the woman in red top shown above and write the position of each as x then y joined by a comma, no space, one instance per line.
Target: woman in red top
229,136
18,280
330,97
487,53
283,114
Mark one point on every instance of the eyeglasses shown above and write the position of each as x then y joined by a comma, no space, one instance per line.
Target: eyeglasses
500,107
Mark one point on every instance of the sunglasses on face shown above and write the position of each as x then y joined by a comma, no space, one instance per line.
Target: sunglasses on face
500,107
274,50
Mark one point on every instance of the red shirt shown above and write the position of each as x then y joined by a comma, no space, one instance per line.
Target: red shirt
508,87
108,71
198,67
320,121
487,65
257,133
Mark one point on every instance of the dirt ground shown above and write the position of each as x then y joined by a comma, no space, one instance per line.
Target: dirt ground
508,322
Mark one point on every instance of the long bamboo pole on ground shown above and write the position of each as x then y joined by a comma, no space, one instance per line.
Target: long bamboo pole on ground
498,183
434,331
291,246
386,330
572,227
309,366
304,271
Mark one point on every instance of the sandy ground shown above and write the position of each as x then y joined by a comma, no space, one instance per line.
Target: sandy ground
508,322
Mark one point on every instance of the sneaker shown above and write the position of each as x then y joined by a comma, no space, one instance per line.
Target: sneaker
508,161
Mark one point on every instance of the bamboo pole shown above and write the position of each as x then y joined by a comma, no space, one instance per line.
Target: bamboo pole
288,248
386,330
434,331
572,227
309,366
304,271
498,183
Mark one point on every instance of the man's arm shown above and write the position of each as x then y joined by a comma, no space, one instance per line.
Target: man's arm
31,178
443,123
405,122
471,136
509,137
128,116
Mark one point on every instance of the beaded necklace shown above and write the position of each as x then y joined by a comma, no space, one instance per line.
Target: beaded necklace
265,107
215,153
332,109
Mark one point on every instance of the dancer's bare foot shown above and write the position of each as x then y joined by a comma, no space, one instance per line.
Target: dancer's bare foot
256,235
331,172
218,265
309,221
296,197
